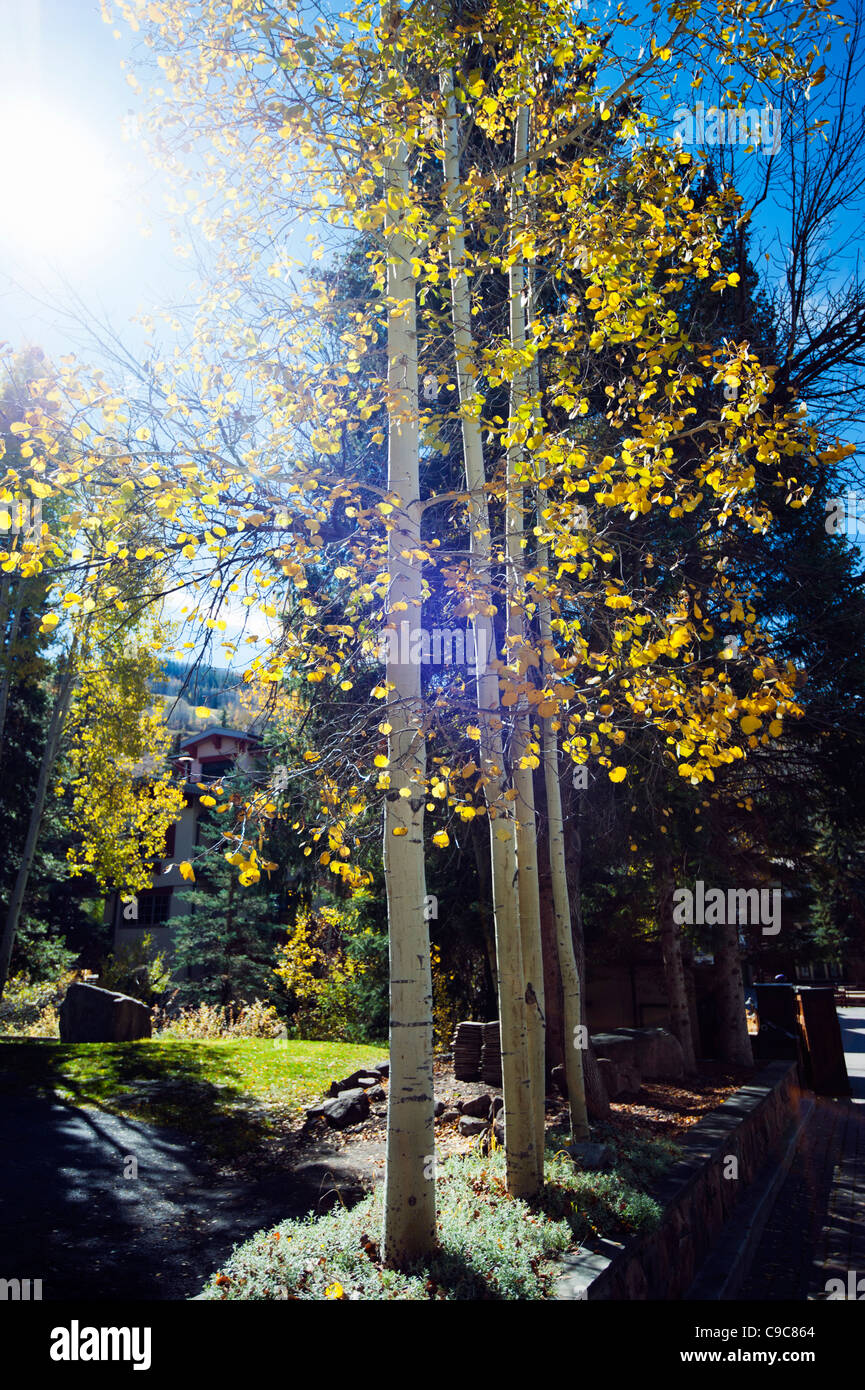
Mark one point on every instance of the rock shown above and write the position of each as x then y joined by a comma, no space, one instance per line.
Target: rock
590,1156
638,1052
479,1106
559,1080
439,1108
450,1117
658,1052
383,1068
497,1105
470,1124
348,1108
620,1049
499,1132
363,1077
376,1094
90,1014
618,1078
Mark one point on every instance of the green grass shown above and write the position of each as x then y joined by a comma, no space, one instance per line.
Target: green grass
199,1088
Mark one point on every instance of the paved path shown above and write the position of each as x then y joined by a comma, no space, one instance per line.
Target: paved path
816,1231
75,1213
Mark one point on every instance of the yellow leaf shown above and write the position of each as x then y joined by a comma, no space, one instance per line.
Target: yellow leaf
618,774
400,830
750,723
187,871
441,838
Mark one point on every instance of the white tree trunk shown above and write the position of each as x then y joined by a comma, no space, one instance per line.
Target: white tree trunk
409,1196
523,1164
527,837
574,1028
574,1024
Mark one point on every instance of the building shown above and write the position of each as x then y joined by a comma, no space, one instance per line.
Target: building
202,759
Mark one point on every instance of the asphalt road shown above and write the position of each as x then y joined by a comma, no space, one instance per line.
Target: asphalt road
101,1207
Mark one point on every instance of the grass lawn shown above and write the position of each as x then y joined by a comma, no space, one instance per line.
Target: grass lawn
215,1089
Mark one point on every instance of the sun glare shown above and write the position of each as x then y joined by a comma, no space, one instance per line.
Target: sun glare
59,194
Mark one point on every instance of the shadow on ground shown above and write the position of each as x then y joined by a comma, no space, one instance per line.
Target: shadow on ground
100,1205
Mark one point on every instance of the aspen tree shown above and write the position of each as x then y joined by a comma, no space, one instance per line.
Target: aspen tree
523,1162
520,650
409,1196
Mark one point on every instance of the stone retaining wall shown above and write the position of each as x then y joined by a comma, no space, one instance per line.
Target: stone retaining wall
697,1198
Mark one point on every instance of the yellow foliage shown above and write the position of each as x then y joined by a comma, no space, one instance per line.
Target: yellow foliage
316,969
124,796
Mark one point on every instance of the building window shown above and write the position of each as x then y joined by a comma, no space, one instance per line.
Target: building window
153,908
212,768
170,836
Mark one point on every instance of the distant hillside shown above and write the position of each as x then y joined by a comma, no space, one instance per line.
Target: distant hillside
212,686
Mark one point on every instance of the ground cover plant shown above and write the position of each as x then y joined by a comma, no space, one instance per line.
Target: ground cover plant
491,1245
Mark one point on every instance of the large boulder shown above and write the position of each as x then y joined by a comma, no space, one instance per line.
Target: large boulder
348,1108
659,1053
90,1014
616,1081
478,1106
619,1051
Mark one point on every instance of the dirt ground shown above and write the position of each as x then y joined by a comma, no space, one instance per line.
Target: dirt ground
659,1109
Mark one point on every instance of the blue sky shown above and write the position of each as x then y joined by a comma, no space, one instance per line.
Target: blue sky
75,194
81,191
73,215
